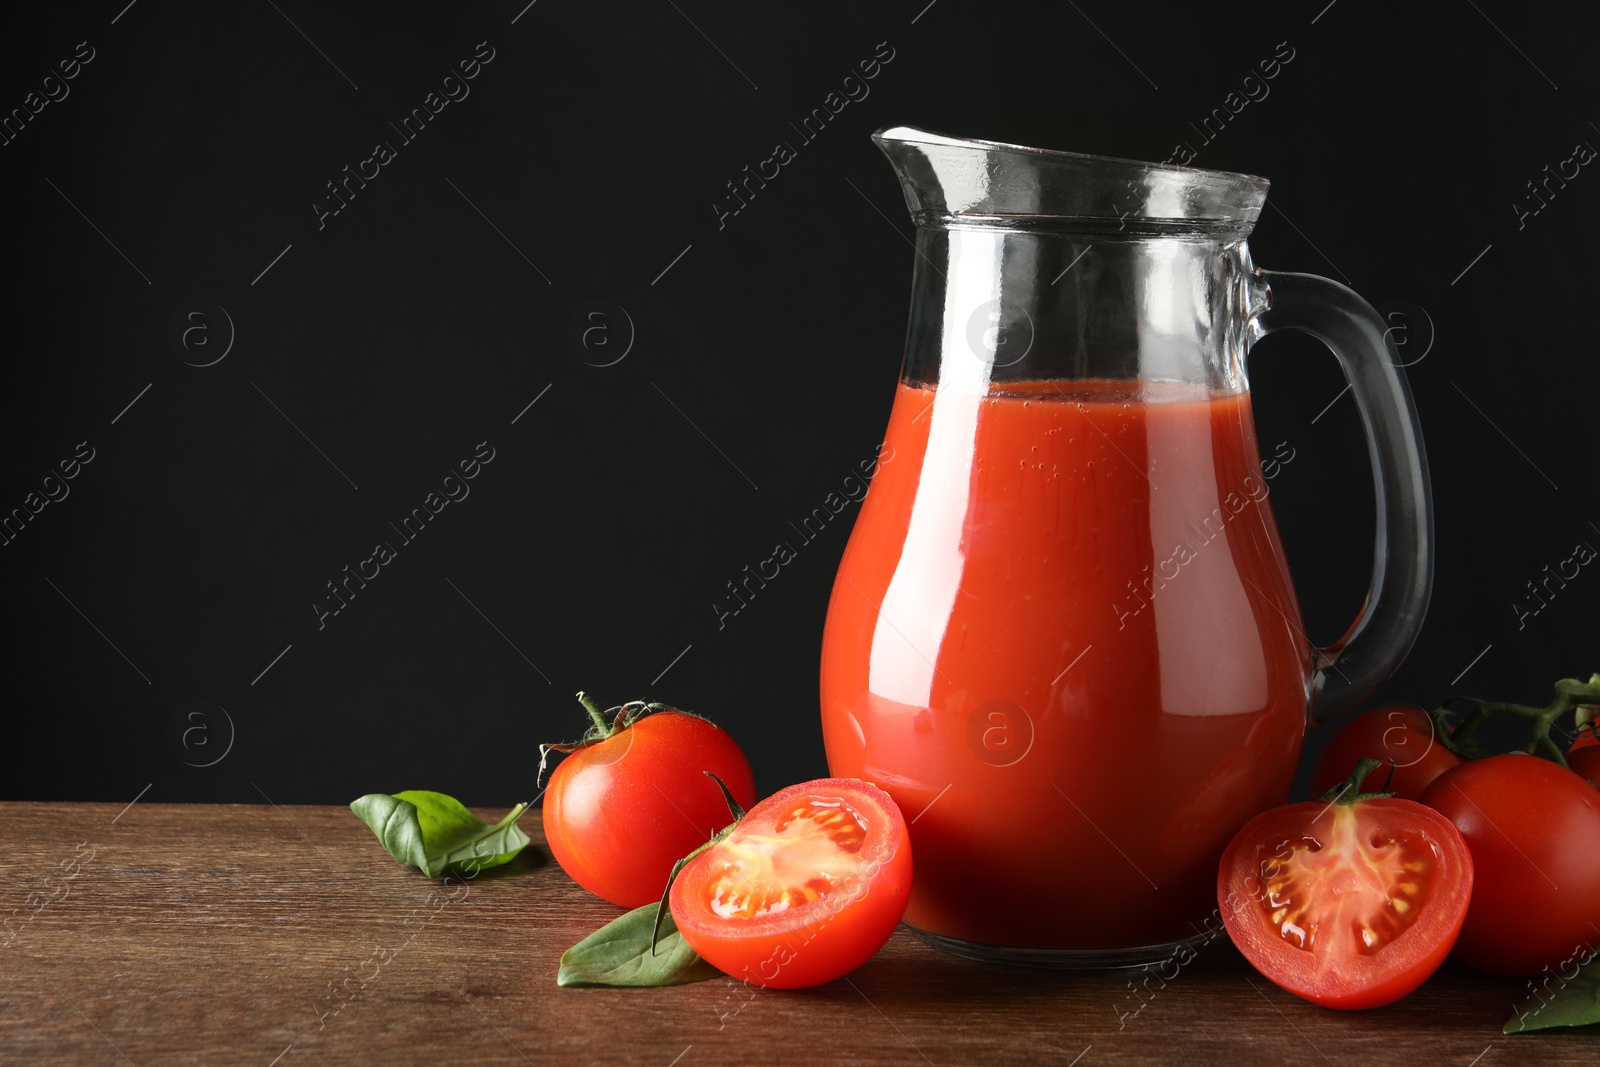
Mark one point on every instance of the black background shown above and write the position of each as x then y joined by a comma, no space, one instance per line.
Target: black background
428,314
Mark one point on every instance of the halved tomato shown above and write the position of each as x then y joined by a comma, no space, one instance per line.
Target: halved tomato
809,884
1349,905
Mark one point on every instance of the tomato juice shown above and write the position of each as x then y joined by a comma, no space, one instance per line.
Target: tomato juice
1063,637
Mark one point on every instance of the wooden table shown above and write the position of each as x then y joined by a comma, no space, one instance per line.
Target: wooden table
257,935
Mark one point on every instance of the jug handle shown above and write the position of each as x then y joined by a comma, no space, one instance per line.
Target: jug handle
1349,670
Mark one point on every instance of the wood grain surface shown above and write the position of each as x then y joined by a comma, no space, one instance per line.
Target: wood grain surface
259,935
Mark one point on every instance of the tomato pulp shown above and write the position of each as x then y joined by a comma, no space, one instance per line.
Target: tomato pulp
1349,905
805,889
1064,639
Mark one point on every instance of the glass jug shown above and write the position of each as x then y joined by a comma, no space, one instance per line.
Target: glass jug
1063,634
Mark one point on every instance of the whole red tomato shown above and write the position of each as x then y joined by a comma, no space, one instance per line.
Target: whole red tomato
1402,736
621,809
1534,832
1349,904
805,889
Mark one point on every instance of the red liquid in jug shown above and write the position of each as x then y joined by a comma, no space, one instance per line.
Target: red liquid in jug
1063,637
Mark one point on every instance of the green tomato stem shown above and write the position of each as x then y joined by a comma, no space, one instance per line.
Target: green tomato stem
602,728
1349,790
1571,694
727,795
1456,738
663,906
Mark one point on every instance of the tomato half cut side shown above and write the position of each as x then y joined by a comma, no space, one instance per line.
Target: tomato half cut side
805,889
1347,905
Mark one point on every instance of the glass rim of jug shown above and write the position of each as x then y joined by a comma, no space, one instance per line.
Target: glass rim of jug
951,181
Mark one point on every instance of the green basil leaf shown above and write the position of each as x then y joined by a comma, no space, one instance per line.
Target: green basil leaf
396,825
618,954
458,839
437,834
1563,1000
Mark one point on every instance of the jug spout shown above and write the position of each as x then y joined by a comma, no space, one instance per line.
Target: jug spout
961,180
